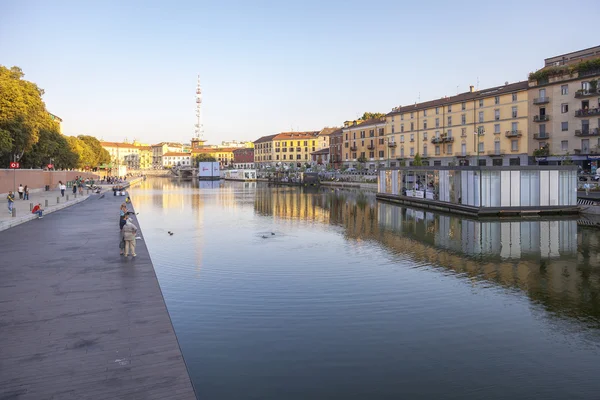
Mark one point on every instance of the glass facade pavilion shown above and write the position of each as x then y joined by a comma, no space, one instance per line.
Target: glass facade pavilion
479,190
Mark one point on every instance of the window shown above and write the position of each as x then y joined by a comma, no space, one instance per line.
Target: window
371,154
542,129
564,145
564,89
424,150
564,126
362,134
401,138
353,135
449,133
514,161
449,120
480,147
437,111
392,128
381,154
515,112
463,119
463,106
463,132
424,135
401,117
346,136
412,137
411,115
381,141
542,93
449,149
424,113
497,100
514,126
437,150
412,151
306,143
402,151
381,131
437,122
424,124
372,133
480,102
496,128
497,162
497,114
480,116
564,108
437,134
284,156
450,108
401,127
482,163
298,156
514,97
412,126
514,145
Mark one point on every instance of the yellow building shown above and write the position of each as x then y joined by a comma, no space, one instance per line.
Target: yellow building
364,142
293,148
118,152
443,132
223,155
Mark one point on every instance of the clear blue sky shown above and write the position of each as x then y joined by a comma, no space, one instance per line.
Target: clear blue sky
116,70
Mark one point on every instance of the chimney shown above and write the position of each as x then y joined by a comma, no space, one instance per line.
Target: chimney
471,88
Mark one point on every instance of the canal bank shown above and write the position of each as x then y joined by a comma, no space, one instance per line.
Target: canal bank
78,320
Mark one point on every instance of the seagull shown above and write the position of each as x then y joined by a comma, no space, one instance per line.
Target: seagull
170,233
272,233
264,237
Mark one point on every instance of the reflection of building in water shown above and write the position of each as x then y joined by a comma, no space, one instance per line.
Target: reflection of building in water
290,203
517,239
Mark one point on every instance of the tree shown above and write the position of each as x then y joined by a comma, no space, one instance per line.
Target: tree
417,162
51,147
22,113
203,158
369,115
362,159
97,154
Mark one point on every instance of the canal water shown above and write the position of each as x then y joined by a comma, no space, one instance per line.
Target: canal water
291,293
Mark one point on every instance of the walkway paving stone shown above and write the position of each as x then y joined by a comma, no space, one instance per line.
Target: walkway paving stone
78,321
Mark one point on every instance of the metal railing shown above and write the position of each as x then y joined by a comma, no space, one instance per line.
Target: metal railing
541,136
585,113
586,93
541,118
587,132
541,100
511,134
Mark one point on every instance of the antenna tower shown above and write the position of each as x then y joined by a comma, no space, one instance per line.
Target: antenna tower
198,127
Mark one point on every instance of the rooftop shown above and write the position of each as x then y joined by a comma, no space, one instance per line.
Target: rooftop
265,138
369,122
322,151
117,144
462,97
173,154
328,131
295,135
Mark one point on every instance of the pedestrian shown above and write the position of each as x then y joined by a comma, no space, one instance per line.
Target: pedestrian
11,200
80,187
38,210
586,186
26,193
123,215
20,190
62,187
129,231
74,187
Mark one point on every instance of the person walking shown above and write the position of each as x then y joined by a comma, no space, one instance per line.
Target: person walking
80,187
129,231
11,201
62,188
20,190
123,213
74,187
586,186
26,193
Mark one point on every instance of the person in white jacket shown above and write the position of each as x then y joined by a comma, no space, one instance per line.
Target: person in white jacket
129,232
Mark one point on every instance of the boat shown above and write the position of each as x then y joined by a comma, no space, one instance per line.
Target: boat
245,175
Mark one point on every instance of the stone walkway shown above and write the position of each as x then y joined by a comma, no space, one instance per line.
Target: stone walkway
77,320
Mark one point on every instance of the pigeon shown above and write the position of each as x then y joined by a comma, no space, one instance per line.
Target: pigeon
264,237
102,196
170,233
272,233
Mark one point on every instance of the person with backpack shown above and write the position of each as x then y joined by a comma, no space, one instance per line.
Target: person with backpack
11,201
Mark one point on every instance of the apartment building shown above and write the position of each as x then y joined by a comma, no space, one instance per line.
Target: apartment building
365,143
564,109
119,151
336,143
243,158
478,127
293,149
159,149
173,159
263,151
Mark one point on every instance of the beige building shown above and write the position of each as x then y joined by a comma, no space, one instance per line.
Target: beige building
263,151
364,143
159,149
478,127
564,109
121,153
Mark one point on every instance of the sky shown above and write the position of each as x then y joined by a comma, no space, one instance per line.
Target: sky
128,69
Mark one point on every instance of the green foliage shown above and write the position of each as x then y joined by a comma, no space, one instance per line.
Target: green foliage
541,152
362,159
95,153
546,73
567,160
203,158
369,115
52,147
417,162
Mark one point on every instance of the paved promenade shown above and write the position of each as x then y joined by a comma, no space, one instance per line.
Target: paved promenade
78,321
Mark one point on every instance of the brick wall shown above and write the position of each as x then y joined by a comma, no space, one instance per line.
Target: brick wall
36,178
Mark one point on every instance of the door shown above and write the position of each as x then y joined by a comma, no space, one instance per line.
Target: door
585,146
542,93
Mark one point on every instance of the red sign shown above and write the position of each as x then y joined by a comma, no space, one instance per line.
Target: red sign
15,165
50,166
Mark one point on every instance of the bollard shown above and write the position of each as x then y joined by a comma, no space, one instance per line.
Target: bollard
57,199
14,212
67,197
30,206
75,195
88,191
47,202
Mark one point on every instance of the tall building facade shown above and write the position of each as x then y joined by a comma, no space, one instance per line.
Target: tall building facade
293,149
564,109
263,151
364,143
483,127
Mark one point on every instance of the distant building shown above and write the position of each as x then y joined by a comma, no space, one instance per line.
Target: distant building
293,148
365,141
335,148
173,159
118,152
159,149
243,158
223,155
263,149
320,157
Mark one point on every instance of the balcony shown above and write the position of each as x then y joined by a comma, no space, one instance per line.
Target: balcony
581,93
371,147
461,154
513,134
541,118
436,140
587,132
587,113
392,144
448,139
353,148
541,100
541,136
497,153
